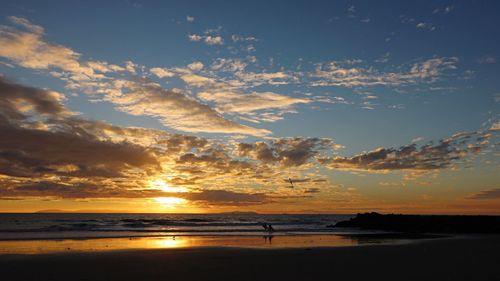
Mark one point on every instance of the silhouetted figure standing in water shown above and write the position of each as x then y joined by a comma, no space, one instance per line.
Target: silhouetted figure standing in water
270,228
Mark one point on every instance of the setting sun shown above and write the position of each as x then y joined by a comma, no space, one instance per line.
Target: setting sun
170,202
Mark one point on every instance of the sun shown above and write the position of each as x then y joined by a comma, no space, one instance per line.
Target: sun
170,202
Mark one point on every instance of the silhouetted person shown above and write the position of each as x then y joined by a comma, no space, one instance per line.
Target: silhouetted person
270,228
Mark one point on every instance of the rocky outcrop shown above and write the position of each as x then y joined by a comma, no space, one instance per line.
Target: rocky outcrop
424,223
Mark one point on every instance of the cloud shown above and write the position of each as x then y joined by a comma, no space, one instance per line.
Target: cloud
27,24
28,49
312,190
214,40
426,25
444,10
225,197
410,157
417,139
261,163
189,18
486,60
195,66
226,92
486,194
207,39
194,37
130,67
239,38
104,67
257,79
495,126
286,151
243,103
384,58
17,101
175,109
66,151
78,190
342,74
197,80
351,12
162,72
89,190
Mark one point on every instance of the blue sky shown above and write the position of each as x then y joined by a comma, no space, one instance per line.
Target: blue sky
363,74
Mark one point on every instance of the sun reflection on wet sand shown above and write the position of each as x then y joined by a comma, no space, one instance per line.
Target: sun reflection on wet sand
170,242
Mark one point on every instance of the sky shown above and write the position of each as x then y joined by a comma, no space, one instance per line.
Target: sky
262,106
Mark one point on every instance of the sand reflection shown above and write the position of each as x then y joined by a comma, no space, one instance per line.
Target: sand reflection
171,242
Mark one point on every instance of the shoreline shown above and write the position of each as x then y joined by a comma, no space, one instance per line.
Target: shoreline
454,258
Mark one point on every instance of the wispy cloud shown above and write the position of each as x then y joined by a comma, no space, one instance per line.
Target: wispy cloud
486,60
240,38
240,102
344,74
423,25
487,194
426,25
443,10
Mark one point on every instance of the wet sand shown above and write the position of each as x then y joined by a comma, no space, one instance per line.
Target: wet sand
47,246
465,258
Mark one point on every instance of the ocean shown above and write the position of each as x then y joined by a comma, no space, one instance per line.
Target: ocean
69,226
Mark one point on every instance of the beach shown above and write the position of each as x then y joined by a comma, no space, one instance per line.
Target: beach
470,257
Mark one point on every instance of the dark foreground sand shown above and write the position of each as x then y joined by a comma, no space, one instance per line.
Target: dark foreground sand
473,258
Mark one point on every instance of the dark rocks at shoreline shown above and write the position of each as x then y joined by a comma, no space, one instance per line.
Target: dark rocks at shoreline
424,223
